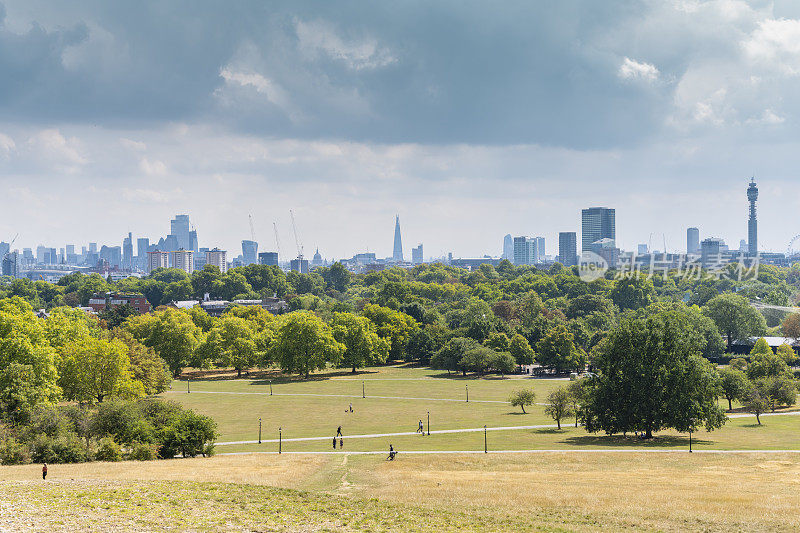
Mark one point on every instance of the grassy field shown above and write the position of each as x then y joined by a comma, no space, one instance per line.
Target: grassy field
515,492
397,398
547,491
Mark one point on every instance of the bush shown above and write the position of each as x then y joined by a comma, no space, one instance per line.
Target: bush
67,448
123,421
13,452
108,450
143,451
42,450
191,435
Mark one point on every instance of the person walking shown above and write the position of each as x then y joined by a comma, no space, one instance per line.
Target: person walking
351,407
339,431
334,443
44,471
392,453
419,429
341,443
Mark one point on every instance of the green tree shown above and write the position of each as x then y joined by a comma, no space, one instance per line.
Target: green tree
787,353
171,333
450,355
392,325
498,342
764,365
734,384
233,343
304,343
651,376
761,347
756,400
559,405
94,369
147,366
557,350
791,326
633,292
521,398
359,336
578,392
521,350
735,318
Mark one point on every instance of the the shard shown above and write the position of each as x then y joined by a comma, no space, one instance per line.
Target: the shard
397,255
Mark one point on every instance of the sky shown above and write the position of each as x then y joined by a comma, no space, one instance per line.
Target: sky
469,120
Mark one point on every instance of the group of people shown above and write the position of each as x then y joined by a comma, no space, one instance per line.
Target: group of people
340,437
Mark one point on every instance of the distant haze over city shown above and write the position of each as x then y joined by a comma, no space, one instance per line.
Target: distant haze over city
117,119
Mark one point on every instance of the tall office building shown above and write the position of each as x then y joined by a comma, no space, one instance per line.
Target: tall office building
526,250
157,259
539,249
597,223
752,223
193,241
508,247
218,258
268,258
397,254
179,227
416,255
4,249
692,241
249,252
10,264
183,260
127,252
568,248
92,247
299,265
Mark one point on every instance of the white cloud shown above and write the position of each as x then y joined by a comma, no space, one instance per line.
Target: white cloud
634,70
319,36
137,146
261,84
7,145
152,168
775,43
51,145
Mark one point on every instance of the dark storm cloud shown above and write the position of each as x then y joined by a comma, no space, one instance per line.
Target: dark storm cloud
475,72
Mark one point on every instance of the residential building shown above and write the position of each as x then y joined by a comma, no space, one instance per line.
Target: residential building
607,249
218,258
526,251
568,248
183,260
416,255
157,259
597,223
111,300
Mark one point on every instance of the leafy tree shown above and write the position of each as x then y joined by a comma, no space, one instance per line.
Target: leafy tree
18,393
359,336
761,347
304,343
421,346
205,281
734,384
171,333
94,369
559,405
24,347
791,326
756,400
191,434
557,350
392,325
146,366
763,365
578,391
651,376
338,277
498,342
450,355
633,292
521,350
787,353
233,341
521,398
781,390
735,317
738,363
115,317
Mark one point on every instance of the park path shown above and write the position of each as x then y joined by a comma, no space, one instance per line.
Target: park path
344,396
554,450
462,430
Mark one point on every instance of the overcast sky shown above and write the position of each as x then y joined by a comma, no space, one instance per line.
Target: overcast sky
468,119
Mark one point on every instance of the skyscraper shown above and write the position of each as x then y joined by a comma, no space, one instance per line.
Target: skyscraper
508,247
752,223
692,241
597,223
127,252
249,252
568,248
268,258
416,255
397,255
526,250
179,226
539,249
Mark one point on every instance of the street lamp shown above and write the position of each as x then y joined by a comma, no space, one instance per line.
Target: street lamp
280,440
270,387
363,394
485,445
429,422
259,430
187,385
467,387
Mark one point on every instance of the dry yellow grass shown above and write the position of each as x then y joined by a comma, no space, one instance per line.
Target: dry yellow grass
661,491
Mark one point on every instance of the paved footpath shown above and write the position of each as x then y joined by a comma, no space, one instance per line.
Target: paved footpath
464,430
449,452
368,396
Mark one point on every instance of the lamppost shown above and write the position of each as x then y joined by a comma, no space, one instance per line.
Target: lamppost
259,431
280,440
429,422
467,387
187,385
363,389
270,387
690,440
485,444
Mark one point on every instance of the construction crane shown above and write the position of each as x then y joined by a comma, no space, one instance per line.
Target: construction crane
252,230
10,245
296,239
277,244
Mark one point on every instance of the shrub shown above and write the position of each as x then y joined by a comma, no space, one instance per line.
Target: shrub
42,450
67,448
191,434
108,450
13,452
143,451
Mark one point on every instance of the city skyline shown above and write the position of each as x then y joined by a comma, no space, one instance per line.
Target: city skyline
350,119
